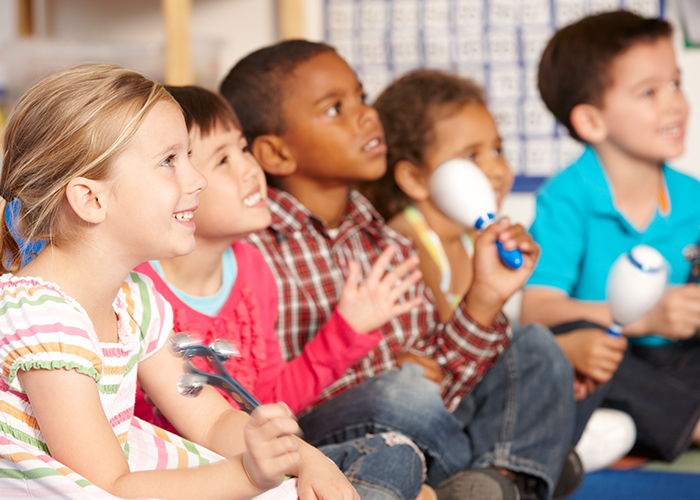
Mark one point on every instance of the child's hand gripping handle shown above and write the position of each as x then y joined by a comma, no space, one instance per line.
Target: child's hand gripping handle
194,379
510,258
464,194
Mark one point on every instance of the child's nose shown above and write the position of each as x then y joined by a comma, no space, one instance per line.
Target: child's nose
251,167
368,115
195,181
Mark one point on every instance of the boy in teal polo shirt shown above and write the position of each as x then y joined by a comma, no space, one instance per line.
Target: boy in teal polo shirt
612,80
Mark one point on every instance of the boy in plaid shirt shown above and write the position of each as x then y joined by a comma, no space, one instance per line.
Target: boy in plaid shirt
492,412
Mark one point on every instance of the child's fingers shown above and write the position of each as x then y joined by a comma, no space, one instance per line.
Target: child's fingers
514,237
491,233
276,427
404,285
379,267
401,270
404,307
269,411
353,278
282,463
273,420
281,446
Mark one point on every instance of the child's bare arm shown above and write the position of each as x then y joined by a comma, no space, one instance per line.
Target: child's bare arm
551,307
68,411
369,305
676,316
268,442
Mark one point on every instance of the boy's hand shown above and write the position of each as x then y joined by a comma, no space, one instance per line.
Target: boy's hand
493,282
583,386
677,315
593,352
369,305
272,450
430,366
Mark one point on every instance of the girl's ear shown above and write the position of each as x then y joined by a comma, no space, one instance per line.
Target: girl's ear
412,180
273,155
87,199
588,123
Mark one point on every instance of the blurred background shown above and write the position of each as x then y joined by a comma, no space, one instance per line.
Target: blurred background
496,42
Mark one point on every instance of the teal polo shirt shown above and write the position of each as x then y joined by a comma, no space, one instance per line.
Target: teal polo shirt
581,231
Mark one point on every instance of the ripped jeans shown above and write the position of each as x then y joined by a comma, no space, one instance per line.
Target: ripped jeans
520,416
385,466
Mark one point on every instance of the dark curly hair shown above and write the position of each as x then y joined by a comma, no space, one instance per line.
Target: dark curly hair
575,65
409,109
255,86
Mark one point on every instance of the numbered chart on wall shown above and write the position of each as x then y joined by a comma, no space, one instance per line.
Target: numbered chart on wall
498,43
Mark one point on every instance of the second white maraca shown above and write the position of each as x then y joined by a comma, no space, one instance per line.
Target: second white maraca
636,282
464,194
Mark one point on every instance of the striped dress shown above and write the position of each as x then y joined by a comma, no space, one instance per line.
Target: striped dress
43,328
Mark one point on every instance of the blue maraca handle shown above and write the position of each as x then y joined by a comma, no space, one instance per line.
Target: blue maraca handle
615,329
511,258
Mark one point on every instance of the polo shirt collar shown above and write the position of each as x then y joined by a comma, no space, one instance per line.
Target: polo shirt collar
600,187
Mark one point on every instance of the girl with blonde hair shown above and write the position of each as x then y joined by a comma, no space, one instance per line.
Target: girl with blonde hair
97,157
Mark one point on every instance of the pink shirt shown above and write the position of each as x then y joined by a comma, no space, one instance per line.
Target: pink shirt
247,320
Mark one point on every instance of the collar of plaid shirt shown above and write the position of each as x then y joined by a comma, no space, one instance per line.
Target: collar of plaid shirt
289,215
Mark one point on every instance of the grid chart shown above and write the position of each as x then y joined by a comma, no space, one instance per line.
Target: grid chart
497,43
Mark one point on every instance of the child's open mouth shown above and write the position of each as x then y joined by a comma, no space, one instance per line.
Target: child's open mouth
671,131
253,199
184,216
371,144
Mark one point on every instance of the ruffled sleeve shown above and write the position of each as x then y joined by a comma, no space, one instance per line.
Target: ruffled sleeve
150,312
44,329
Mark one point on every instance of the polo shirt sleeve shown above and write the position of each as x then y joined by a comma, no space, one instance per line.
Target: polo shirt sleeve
560,230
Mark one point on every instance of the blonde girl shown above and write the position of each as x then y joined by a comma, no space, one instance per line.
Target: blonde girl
97,156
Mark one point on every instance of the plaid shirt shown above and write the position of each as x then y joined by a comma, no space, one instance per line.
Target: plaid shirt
310,267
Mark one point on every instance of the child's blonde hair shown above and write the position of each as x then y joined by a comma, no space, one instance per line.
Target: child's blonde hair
72,124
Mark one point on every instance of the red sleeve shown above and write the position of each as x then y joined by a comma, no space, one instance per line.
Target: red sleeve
300,381
334,349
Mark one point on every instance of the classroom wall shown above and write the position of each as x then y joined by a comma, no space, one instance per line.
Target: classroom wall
244,25
240,25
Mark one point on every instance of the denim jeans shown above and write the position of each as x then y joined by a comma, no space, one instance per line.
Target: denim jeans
380,467
519,417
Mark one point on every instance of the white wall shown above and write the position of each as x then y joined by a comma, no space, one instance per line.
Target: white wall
240,25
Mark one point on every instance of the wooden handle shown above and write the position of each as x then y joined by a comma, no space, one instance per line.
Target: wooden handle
178,57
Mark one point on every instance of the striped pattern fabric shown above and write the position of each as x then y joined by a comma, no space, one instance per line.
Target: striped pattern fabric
25,472
43,328
310,268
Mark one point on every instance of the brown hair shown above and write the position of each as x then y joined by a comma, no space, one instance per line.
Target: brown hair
72,124
575,65
204,109
409,109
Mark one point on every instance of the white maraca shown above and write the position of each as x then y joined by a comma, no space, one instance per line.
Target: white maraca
636,282
464,194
